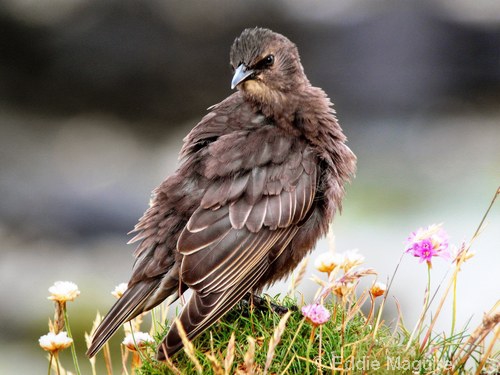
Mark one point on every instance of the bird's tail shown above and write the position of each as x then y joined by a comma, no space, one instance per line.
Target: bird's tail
203,310
130,304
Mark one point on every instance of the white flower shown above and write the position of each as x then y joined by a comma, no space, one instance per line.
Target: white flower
53,343
327,262
342,288
63,291
378,289
352,259
119,290
137,340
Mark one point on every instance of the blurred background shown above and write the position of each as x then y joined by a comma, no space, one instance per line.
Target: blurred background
95,98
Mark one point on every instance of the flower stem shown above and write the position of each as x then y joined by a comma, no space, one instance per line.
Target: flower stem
154,322
73,351
309,345
57,364
50,363
141,355
320,346
418,327
427,299
454,307
428,288
107,359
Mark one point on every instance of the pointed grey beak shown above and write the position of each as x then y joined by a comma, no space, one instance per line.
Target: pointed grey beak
241,74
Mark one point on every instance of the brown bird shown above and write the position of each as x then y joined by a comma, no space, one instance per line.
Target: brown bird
260,179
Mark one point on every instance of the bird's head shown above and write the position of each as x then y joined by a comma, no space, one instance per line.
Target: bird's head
266,64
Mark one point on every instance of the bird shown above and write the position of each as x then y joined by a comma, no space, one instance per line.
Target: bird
259,180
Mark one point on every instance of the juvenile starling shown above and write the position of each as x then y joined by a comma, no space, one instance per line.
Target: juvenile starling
260,179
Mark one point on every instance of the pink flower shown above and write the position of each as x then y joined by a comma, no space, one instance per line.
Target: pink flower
315,313
427,243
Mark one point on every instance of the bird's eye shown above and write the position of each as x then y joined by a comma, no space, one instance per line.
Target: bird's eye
269,60
264,63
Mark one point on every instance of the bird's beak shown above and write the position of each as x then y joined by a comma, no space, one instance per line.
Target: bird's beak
241,74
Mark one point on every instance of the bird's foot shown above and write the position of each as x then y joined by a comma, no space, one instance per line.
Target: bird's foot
265,304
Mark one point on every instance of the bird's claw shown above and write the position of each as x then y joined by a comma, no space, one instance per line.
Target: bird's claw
265,304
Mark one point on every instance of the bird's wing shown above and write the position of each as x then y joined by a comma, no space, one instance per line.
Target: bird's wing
243,223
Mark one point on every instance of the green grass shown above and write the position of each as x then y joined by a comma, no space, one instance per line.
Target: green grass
339,346
290,355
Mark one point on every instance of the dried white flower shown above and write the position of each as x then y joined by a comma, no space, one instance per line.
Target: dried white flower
137,340
378,289
53,343
352,259
119,290
327,262
342,288
63,291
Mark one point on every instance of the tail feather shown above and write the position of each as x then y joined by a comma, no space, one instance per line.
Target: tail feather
126,308
202,311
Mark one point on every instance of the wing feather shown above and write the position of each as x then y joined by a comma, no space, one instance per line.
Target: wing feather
238,213
212,195
242,225
286,209
194,241
256,218
197,268
273,212
256,185
203,309
203,218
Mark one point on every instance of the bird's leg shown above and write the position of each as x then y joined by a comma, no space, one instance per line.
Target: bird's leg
262,304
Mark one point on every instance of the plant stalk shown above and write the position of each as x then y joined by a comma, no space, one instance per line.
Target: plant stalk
73,351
